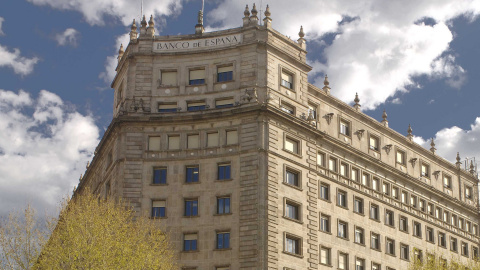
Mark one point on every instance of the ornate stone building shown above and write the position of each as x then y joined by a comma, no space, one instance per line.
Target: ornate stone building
221,138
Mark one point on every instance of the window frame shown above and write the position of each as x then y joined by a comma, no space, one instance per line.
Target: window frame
192,211
442,235
287,72
389,222
162,175
390,251
295,142
378,238
345,229
417,229
377,212
297,177
361,235
404,252
223,209
320,193
224,176
347,131
358,210
286,107
427,167
184,242
192,176
298,209
403,162
342,198
298,244
223,234
429,234
153,215
197,82
328,255
403,222
328,218
230,77
161,83
167,110
372,147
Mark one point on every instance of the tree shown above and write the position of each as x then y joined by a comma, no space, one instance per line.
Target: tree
436,262
21,240
93,233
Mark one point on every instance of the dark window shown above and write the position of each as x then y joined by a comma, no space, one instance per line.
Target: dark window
417,229
192,174
158,209
453,244
430,237
358,205
225,74
292,178
292,245
324,192
160,175
389,218
342,229
375,241
359,236
196,106
197,77
374,212
167,107
224,172
404,252
442,240
191,208
189,242
342,199
224,103
390,246
464,249
292,210
403,224
223,205
223,240
325,223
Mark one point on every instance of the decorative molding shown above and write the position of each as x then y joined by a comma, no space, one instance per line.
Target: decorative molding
329,117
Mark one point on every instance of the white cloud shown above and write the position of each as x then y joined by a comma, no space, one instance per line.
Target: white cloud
12,59
97,12
449,141
68,37
112,61
396,101
1,22
380,46
44,146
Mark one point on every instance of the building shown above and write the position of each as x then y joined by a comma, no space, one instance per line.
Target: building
220,136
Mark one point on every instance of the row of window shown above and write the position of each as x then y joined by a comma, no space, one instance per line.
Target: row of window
196,76
174,142
159,207
196,105
190,241
343,260
224,172
405,198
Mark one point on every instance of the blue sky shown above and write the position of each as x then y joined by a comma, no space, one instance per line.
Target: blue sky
416,59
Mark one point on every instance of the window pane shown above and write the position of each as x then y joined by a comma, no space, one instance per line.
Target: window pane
291,145
154,143
160,176
169,78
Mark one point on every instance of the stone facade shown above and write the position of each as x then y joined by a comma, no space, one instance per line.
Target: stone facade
311,180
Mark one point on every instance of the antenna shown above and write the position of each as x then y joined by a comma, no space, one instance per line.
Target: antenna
141,10
261,11
203,5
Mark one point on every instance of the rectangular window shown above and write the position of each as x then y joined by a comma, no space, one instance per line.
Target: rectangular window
468,225
386,188
224,103
395,193
374,145
292,210
287,80
345,128
475,253
287,108
291,145
212,139
224,172
291,178
168,78
374,212
404,197
174,142
425,170
389,218
460,224
197,76
442,240
232,137
355,175
191,207
375,184
390,246
421,204
464,249
344,170
342,229
193,141
453,244
359,264
403,224
225,73
196,106
359,236
154,143
376,266
332,164
325,223
312,108
417,253
342,198
192,174
375,241
167,107
158,209
447,181
223,205
453,220
404,252
160,176
468,192
417,229
321,159
438,213
292,244
430,209
430,235
343,261
475,229
366,180
190,242
413,201
325,257
223,240
400,157
358,205
324,191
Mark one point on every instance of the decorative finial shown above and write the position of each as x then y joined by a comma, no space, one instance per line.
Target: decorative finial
151,23
267,12
357,102
458,157
144,22
326,84
458,163
432,144
133,32
472,167
384,115
301,34
88,164
143,27
199,29
120,53
409,130
134,25
247,11
254,10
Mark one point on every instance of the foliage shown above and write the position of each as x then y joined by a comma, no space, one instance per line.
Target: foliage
21,240
435,262
93,233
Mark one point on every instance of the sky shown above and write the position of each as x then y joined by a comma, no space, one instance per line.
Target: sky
418,60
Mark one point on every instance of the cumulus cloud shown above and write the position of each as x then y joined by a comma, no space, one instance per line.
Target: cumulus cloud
44,146
97,12
112,61
1,22
21,65
68,37
451,140
379,48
